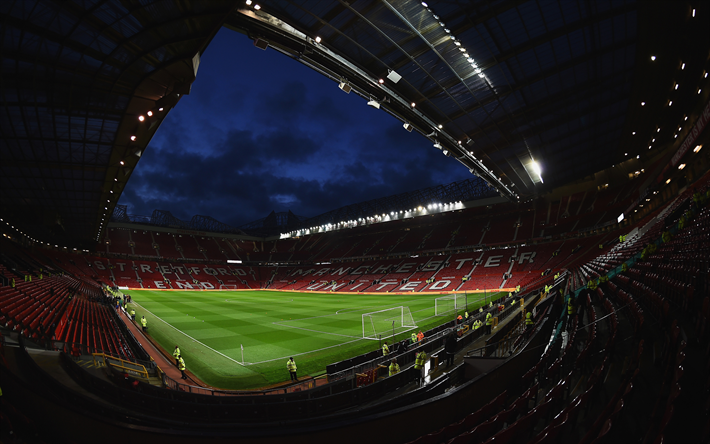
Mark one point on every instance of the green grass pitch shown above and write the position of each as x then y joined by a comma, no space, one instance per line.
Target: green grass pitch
317,329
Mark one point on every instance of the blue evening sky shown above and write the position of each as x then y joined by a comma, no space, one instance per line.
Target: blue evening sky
260,132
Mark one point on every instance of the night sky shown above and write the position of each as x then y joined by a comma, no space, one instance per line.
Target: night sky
260,132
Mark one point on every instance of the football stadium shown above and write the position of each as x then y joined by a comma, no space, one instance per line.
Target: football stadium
558,293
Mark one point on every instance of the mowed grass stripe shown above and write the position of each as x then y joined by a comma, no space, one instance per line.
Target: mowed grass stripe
317,328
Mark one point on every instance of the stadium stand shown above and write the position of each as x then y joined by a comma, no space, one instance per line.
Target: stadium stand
167,247
628,362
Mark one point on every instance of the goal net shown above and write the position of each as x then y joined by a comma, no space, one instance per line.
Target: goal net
447,305
385,323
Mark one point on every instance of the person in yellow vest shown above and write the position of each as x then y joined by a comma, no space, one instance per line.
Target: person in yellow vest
394,367
517,288
12,283
414,338
385,349
489,323
465,314
176,355
420,365
528,319
624,267
571,310
291,366
592,285
144,323
133,314
181,366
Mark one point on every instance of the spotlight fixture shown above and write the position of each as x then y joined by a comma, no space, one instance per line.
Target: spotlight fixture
437,145
374,103
408,127
447,153
345,87
318,39
393,76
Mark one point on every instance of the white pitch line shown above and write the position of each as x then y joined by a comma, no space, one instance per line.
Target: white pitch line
310,351
316,331
193,339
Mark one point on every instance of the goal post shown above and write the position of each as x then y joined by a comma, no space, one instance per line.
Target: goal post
386,323
449,304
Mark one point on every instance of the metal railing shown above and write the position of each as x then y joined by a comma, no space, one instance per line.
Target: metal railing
133,369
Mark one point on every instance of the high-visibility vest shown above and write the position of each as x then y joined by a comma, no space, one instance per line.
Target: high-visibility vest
489,319
420,336
394,368
414,337
176,353
144,321
466,314
421,359
133,312
385,350
528,319
182,364
291,365
570,307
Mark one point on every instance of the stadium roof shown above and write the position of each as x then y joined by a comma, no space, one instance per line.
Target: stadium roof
576,85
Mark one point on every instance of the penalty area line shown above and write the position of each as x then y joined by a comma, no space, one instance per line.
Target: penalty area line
316,331
193,339
310,351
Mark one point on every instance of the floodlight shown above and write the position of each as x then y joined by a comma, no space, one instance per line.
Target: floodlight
437,145
345,87
394,77
374,103
408,127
